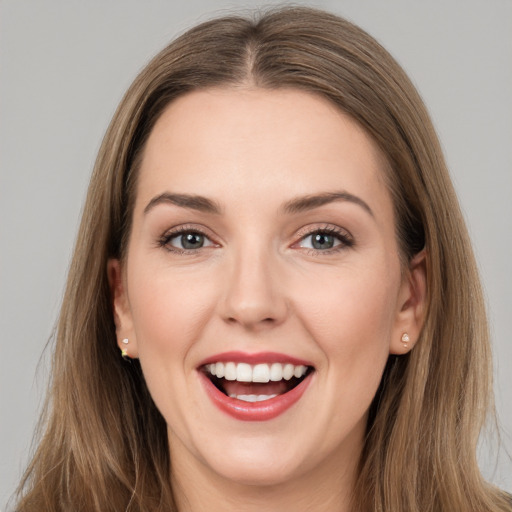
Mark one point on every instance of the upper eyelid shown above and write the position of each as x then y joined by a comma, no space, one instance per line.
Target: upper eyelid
329,228
188,228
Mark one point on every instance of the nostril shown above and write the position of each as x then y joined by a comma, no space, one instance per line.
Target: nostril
251,322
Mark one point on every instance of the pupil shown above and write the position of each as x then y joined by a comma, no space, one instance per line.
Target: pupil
192,240
321,241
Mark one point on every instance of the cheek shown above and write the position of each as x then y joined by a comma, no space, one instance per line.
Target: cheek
354,304
167,305
169,310
351,316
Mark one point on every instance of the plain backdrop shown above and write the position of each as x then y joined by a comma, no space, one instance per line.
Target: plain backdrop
64,66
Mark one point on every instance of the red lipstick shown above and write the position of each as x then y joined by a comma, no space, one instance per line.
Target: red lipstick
288,391
256,358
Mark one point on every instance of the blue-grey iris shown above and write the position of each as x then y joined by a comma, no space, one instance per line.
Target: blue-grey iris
192,241
322,241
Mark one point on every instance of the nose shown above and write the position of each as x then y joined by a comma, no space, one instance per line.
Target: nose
253,296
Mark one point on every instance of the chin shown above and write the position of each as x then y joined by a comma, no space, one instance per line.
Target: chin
255,472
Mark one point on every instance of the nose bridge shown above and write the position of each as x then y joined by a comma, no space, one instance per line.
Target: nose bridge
253,295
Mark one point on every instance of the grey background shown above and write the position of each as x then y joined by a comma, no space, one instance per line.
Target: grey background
64,66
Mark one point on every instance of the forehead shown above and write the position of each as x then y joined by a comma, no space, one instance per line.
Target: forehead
240,143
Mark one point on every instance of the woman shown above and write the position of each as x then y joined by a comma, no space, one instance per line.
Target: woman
272,241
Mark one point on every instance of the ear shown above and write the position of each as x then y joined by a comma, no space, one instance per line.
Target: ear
123,321
411,306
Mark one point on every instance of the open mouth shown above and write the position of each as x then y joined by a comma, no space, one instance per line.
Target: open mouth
255,383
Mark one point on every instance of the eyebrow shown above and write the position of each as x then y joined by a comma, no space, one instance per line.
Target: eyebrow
310,202
193,202
297,205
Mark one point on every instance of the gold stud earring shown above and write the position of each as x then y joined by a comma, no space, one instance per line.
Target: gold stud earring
124,351
405,339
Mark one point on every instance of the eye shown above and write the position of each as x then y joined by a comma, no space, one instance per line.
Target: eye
185,240
326,240
189,241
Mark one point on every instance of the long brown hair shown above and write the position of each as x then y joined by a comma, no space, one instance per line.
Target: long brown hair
104,444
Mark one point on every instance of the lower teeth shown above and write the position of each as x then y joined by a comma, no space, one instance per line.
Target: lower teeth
252,398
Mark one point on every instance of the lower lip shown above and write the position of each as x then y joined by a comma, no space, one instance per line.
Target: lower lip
254,411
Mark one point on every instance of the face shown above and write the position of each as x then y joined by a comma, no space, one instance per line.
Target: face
262,289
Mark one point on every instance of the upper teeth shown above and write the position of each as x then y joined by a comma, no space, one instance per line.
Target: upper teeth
244,372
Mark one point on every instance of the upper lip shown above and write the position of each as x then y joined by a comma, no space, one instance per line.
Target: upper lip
254,358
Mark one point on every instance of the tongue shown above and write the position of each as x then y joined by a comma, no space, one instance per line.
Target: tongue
233,387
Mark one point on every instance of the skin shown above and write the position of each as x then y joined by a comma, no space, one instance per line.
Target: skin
258,285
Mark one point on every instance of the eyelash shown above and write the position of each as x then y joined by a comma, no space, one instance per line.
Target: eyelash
345,239
165,239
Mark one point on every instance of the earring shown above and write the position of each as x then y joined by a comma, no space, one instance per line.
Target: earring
405,339
124,351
